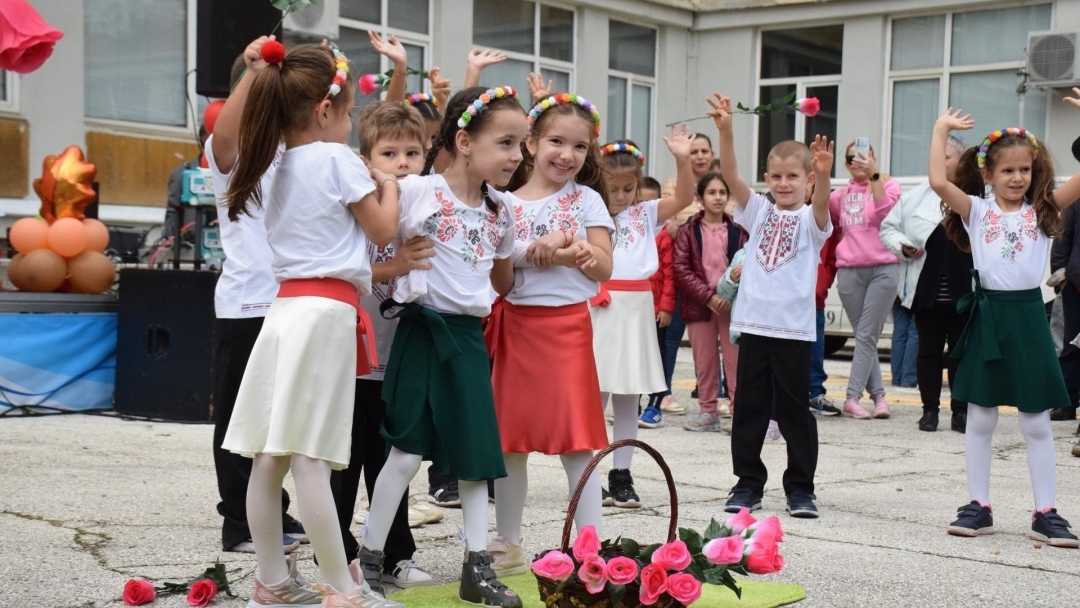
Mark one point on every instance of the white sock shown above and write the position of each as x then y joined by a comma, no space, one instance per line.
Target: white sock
393,480
981,422
625,426
474,510
315,502
1042,463
510,494
264,515
590,507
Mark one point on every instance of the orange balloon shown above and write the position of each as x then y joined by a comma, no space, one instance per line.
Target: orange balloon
42,271
13,271
67,236
91,272
29,234
97,235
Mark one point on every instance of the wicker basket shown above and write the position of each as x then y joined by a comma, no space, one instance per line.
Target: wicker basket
573,594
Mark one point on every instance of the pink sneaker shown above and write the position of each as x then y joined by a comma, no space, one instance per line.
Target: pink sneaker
852,409
294,592
881,409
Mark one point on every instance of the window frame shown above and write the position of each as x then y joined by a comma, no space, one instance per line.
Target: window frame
10,101
942,73
539,62
632,79
406,37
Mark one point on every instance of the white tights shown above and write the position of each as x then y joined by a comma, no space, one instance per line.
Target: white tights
510,493
625,411
1039,437
315,503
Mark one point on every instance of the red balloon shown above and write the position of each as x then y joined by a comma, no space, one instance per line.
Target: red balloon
29,234
210,115
67,236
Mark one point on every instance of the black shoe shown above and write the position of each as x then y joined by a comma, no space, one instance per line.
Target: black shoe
622,489
1063,413
480,587
371,564
296,530
693,393
959,421
609,500
929,421
802,505
1052,529
445,494
740,498
972,519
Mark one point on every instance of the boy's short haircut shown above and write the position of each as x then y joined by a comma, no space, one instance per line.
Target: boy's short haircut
792,149
381,120
650,183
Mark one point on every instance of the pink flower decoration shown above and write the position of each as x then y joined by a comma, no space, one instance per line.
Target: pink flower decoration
684,588
809,106
26,40
739,522
725,551
554,565
138,592
769,526
587,543
369,83
622,570
653,584
672,556
593,573
763,548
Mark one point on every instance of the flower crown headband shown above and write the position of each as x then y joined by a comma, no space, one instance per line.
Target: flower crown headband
482,102
996,135
416,98
273,53
623,147
561,98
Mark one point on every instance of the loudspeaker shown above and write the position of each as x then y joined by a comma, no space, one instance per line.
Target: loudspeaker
164,344
225,28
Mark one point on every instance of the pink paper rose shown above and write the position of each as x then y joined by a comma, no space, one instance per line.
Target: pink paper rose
369,84
653,584
809,106
672,556
763,548
554,565
587,543
684,588
138,592
622,570
202,593
724,551
770,526
26,40
593,573
739,522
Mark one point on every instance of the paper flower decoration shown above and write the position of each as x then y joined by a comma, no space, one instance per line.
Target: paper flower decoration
26,40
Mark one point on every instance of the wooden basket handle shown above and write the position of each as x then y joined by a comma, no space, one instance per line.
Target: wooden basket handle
672,493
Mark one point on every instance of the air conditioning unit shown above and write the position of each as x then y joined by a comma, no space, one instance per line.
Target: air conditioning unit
1053,58
318,19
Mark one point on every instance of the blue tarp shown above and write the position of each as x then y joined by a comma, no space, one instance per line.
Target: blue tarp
57,361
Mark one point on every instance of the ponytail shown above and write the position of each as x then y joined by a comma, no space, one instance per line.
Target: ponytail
433,152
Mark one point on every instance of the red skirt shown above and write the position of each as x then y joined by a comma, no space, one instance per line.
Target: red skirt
547,395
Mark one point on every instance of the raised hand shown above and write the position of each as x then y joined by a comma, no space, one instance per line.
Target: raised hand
440,87
537,88
680,141
955,120
1074,100
822,149
391,48
720,111
253,53
481,59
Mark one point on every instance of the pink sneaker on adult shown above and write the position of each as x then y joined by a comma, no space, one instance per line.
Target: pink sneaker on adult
852,409
881,409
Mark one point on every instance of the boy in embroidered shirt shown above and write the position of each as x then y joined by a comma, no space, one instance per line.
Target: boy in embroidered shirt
776,312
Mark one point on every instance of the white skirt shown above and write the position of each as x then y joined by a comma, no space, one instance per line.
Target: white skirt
300,383
624,343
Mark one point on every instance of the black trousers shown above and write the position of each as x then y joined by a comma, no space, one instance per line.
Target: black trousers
938,326
233,340
1070,355
773,368
368,457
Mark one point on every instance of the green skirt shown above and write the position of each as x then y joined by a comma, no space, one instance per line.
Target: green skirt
1006,352
438,396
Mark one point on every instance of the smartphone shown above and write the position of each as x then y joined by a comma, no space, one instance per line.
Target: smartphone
862,147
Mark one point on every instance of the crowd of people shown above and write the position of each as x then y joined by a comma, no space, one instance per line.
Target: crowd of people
480,280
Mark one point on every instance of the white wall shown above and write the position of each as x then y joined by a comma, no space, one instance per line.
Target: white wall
862,84
725,62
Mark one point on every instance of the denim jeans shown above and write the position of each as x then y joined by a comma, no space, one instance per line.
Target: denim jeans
817,359
672,343
905,346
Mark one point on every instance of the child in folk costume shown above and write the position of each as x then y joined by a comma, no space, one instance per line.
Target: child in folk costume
1007,356
624,327
546,390
437,387
295,404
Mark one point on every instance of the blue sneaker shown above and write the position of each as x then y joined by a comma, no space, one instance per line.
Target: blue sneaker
651,418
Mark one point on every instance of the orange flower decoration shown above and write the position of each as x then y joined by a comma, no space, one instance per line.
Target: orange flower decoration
66,185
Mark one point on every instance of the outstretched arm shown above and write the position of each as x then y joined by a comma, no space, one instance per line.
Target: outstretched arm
822,164
396,53
721,115
679,145
477,61
1070,190
227,128
537,88
953,196
440,87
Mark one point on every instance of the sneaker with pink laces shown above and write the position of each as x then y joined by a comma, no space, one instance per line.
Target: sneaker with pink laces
294,592
881,409
852,409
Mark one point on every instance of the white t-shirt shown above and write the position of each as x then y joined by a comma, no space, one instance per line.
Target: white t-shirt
312,232
246,286
573,208
779,277
633,247
383,328
467,241
1009,249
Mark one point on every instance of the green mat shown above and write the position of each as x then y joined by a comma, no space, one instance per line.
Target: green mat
755,594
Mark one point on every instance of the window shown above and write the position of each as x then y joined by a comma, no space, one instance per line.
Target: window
631,82
805,62
964,60
535,37
136,60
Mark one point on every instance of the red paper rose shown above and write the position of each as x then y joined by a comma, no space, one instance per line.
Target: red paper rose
369,84
202,591
587,543
672,556
684,588
653,584
138,592
809,106
763,547
26,40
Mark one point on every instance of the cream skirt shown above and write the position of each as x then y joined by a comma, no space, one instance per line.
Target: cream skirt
299,385
624,343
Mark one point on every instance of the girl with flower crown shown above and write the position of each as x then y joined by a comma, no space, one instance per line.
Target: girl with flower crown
1007,356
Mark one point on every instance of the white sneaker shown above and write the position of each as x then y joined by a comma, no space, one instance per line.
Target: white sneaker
407,574
669,405
723,408
432,513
